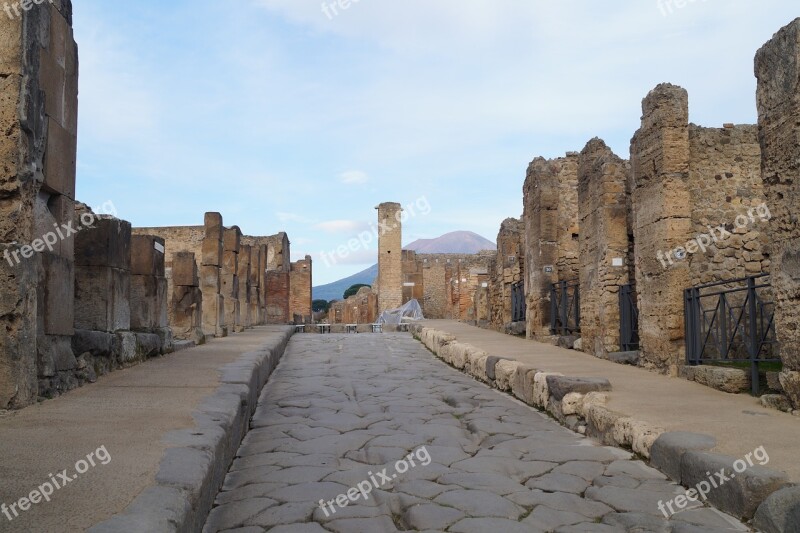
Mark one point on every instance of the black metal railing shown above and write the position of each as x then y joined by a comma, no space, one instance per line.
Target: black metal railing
518,305
731,324
565,308
628,319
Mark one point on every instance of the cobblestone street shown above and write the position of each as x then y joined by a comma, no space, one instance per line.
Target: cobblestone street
432,450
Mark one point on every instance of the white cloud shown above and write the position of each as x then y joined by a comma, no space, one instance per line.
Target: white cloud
342,226
353,177
292,217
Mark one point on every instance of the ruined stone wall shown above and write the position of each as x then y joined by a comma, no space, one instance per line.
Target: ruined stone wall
413,279
38,117
300,283
278,251
390,257
450,281
507,269
277,302
603,211
231,242
361,308
434,281
550,217
777,68
177,239
699,213
148,296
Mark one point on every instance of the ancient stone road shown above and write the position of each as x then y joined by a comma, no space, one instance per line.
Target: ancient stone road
342,408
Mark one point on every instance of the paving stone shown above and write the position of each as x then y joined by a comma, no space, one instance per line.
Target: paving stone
482,525
432,516
637,523
339,410
549,519
780,511
480,503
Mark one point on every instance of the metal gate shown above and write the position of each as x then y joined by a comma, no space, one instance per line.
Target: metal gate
628,319
565,308
731,324
518,305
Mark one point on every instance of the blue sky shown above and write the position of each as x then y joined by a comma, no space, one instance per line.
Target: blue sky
285,119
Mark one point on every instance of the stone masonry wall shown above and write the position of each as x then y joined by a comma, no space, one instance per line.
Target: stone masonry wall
507,269
186,306
603,210
777,68
550,217
38,117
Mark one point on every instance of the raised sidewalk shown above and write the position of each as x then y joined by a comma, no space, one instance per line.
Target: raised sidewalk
738,421
168,425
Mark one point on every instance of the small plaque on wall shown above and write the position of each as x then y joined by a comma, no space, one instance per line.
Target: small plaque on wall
617,262
548,269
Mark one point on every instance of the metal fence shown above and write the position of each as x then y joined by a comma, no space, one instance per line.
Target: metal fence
565,308
731,324
628,319
518,305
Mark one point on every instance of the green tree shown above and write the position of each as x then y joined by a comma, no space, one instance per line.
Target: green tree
354,289
320,306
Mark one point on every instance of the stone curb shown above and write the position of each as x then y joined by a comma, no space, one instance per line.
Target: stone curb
191,473
579,404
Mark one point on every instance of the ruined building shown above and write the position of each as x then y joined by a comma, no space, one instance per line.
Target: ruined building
82,292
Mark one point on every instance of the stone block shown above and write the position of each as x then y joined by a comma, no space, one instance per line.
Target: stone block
211,251
491,363
522,383
147,345
147,255
229,287
105,244
97,343
213,226
780,512
59,160
567,341
743,490
58,298
560,386
148,303
102,298
125,348
667,451
625,358
232,239
504,371
210,279
184,270
776,401
51,212
774,381
732,380
790,382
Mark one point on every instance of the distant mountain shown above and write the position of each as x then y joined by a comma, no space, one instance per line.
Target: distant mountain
457,242
335,290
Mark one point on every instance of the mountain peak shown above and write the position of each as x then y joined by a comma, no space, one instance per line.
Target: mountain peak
455,242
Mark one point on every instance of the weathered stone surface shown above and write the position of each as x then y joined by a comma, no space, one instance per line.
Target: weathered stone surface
667,451
560,386
731,380
780,512
776,401
625,358
567,341
96,343
743,491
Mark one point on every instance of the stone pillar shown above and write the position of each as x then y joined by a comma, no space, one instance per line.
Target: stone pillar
230,277
103,276
253,298
262,289
38,117
777,68
390,248
508,270
186,310
211,277
148,300
661,221
603,210
300,291
551,234
245,257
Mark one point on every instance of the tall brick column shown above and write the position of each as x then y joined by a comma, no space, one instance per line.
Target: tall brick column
662,221
777,67
603,209
390,256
